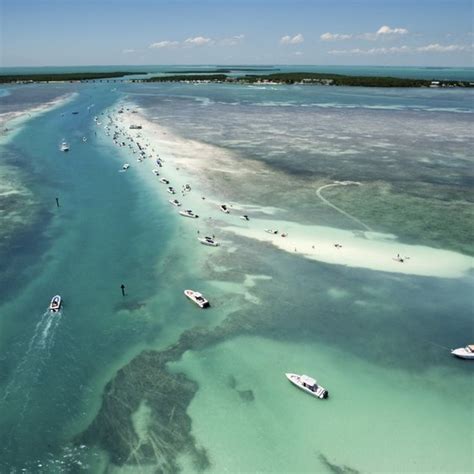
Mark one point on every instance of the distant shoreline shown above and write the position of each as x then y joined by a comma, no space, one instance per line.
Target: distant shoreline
276,78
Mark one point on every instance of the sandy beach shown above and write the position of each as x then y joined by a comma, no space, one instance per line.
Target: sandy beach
191,162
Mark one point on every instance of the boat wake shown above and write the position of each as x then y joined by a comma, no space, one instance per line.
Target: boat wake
341,211
36,356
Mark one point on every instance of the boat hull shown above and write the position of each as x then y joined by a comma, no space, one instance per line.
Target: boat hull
462,353
194,297
320,392
55,304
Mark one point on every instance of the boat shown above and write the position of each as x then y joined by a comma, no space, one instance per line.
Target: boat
171,190
84,139
55,304
308,384
164,181
197,298
175,202
245,217
464,352
208,241
271,231
64,146
224,209
125,166
188,213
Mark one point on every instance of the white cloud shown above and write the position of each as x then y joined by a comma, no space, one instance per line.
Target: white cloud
386,30
439,48
163,44
128,51
197,41
430,48
373,51
383,32
334,37
232,41
297,39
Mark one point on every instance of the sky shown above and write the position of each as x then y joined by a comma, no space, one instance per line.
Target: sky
319,32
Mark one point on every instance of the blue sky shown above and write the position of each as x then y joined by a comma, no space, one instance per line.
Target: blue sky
376,32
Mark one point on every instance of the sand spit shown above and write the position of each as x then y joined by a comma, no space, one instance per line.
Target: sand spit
188,161
11,122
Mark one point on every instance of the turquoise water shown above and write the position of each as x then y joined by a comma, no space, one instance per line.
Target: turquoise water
77,392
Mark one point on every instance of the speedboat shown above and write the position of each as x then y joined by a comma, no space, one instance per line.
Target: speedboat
171,190
64,146
224,209
271,231
175,202
55,304
464,352
197,298
208,241
164,181
155,172
125,166
308,384
245,217
188,213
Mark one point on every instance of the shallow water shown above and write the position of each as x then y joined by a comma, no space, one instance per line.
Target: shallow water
76,390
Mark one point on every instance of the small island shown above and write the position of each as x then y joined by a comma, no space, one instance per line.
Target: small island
64,77
221,76
310,78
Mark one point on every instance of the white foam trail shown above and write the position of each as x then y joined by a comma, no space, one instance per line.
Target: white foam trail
39,349
341,183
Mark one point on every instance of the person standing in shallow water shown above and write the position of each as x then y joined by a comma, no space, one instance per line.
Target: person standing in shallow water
122,287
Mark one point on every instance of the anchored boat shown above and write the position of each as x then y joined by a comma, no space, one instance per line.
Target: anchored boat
197,298
188,213
55,304
208,241
308,384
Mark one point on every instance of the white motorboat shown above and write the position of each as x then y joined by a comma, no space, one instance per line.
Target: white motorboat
197,298
164,181
171,190
208,241
64,146
84,139
224,209
155,172
308,384
271,231
464,352
188,213
55,304
245,217
175,202
125,166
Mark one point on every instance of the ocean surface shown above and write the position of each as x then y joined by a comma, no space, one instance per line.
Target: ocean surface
148,382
